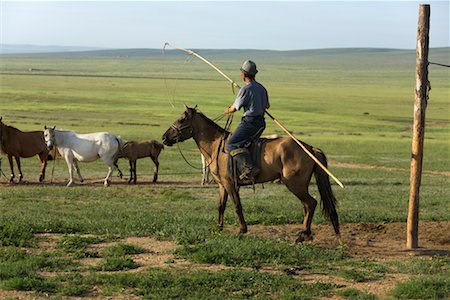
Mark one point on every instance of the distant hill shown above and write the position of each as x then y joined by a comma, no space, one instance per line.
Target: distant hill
27,49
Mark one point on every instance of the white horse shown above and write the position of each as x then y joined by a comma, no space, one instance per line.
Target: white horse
89,147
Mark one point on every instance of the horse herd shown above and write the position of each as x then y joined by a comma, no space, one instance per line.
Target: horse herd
74,147
281,159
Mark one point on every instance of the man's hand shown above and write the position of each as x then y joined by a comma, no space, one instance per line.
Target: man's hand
230,110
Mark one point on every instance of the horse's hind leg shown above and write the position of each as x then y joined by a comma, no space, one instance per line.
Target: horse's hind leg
156,168
309,206
131,171
75,164
11,166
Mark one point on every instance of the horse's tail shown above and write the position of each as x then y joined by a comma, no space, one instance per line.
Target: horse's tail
329,202
120,143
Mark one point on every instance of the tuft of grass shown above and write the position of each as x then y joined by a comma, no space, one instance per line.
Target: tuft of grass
118,264
75,290
15,234
77,245
32,283
122,250
355,275
354,294
423,287
434,265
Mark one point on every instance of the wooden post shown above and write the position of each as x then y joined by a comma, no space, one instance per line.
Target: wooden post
420,105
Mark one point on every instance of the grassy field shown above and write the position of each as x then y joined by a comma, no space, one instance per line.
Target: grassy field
355,104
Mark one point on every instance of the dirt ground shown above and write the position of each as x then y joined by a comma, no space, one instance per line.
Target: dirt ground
373,241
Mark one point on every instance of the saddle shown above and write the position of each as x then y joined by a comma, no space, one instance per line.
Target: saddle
255,149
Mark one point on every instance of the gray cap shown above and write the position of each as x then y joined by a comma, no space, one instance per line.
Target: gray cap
249,68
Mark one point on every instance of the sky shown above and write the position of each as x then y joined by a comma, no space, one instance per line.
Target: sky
274,25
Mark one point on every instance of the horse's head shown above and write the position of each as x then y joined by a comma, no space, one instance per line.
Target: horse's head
181,129
49,137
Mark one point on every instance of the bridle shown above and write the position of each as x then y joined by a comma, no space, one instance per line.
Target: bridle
52,139
180,130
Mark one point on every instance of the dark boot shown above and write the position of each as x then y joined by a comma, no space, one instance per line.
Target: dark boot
247,170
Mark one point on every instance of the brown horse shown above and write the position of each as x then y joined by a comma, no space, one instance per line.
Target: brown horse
133,150
281,158
17,144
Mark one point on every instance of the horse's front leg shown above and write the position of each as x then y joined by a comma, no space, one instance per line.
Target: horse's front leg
223,197
70,168
230,188
11,166
19,167
43,158
134,171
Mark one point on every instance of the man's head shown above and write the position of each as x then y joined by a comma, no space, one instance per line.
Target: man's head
249,69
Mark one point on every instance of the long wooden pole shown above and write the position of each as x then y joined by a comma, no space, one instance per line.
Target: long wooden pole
273,118
420,105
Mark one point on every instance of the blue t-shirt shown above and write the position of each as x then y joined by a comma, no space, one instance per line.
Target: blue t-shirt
253,98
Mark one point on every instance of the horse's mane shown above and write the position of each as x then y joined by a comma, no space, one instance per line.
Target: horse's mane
212,123
9,127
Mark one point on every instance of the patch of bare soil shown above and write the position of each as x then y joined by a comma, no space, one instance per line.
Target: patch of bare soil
374,241
378,241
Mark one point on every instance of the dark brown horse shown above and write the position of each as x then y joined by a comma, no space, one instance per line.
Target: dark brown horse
17,144
281,158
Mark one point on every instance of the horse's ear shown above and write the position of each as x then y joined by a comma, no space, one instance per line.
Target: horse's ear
45,127
195,107
53,127
186,107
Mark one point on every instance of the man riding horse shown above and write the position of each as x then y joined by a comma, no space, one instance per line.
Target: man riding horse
254,99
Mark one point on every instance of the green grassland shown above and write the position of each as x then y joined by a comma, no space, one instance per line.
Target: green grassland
355,104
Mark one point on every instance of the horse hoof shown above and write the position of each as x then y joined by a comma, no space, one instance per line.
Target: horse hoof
106,183
69,184
304,236
243,230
